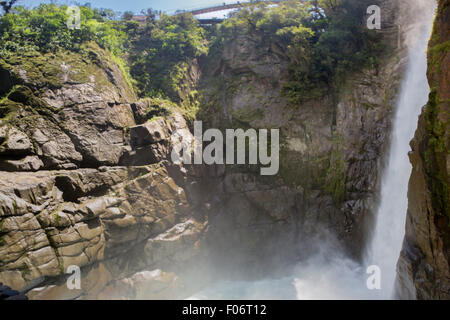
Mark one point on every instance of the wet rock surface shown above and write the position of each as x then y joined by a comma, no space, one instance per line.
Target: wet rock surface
332,148
82,185
6,293
423,269
86,181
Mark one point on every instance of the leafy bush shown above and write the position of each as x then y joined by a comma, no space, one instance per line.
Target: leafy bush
44,29
325,40
342,44
322,39
161,53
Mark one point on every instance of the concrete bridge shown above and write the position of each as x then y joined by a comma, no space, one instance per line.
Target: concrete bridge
225,6
218,8
222,7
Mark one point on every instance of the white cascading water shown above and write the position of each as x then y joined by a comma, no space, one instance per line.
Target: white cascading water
329,274
391,216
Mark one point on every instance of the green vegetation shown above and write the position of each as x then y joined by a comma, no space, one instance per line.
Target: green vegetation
38,35
325,173
344,44
24,270
436,155
162,52
57,218
22,98
14,207
323,40
437,54
159,54
7,108
246,116
44,29
159,108
61,264
437,126
336,177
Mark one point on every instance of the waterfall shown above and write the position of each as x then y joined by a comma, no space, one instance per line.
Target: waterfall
391,216
330,274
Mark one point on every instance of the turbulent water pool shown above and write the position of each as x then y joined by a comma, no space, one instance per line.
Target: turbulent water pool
325,276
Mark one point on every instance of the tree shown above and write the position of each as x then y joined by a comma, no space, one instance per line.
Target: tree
103,13
150,14
329,4
319,7
128,15
161,51
43,28
7,5
315,8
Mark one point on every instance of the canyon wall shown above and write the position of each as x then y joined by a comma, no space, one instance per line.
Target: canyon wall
85,181
332,152
424,265
87,178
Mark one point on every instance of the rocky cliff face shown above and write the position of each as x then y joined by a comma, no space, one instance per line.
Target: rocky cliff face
424,264
332,150
84,182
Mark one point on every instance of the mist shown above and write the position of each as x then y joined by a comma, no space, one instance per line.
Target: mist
329,273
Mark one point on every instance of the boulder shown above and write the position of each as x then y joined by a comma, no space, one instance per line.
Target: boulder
29,163
148,133
17,143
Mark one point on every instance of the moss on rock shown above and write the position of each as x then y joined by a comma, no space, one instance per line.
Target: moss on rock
436,156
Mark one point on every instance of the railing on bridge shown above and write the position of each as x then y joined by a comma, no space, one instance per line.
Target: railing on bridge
222,7
225,6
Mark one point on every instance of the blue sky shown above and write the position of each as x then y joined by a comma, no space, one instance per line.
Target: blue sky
168,6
